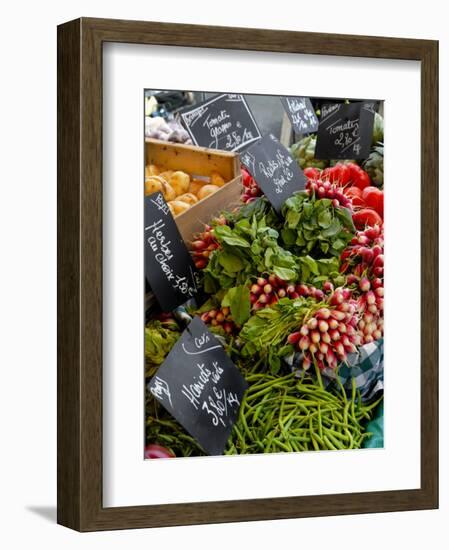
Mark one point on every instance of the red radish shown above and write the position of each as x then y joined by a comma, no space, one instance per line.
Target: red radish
334,334
304,330
315,336
323,313
324,347
333,323
325,337
157,451
323,326
307,363
312,323
304,343
261,281
198,245
255,289
294,337
268,289
328,286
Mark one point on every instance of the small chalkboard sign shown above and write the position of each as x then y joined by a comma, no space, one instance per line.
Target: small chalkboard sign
169,269
345,131
274,170
222,122
301,114
201,387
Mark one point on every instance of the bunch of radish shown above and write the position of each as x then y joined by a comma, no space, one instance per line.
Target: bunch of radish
266,291
329,334
323,188
204,244
365,253
220,317
250,188
370,306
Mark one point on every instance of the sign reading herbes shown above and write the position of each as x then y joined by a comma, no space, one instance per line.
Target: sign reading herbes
169,269
201,387
222,122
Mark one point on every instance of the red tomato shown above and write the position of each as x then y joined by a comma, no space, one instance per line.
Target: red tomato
374,198
312,173
342,174
366,216
358,176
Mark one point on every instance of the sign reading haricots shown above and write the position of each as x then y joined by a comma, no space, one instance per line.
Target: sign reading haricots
201,387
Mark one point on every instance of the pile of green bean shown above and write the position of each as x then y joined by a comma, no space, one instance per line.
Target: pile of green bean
298,414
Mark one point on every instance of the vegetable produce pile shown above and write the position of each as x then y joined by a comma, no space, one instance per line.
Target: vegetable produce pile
291,296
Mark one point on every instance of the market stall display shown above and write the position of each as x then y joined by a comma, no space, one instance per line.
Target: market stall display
294,294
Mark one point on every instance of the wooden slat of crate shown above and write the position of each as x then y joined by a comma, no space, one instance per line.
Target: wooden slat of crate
191,221
198,161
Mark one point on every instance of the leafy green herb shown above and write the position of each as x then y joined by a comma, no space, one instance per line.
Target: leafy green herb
237,298
315,227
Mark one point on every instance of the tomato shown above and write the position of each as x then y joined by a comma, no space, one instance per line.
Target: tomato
374,198
342,174
312,173
366,216
358,176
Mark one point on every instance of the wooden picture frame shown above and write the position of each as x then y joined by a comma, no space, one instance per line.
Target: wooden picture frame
80,274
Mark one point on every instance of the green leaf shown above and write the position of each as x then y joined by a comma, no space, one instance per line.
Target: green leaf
284,273
230,262
345,216
333,229
338,245
310,263
237,298
225,234
288,236
268,257
324,219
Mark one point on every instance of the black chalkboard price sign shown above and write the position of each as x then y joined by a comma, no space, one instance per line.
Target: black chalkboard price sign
222,122
274,170
301,114
201,387
169,269
345,131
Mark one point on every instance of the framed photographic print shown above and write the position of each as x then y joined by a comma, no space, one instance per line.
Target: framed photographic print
247,274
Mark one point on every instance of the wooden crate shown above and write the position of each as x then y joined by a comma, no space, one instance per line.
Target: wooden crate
198,162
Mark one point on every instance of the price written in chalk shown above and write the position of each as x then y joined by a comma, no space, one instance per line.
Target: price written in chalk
301,114
345,131
274,170
222,122
169,269
201,387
